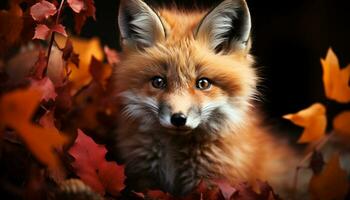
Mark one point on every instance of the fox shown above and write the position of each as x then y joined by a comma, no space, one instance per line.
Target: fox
185,91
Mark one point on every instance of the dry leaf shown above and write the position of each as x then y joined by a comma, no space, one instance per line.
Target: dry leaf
335,80
91,166
341,123
314,121
42,10
86,49
16,110
100,72
331,183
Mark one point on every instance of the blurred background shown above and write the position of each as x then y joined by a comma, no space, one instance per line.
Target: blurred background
289,38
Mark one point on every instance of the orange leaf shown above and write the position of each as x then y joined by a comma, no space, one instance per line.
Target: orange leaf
335,80
341,123
314,121
86,49
16,110
331,183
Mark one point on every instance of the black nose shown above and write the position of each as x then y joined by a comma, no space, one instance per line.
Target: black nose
178,119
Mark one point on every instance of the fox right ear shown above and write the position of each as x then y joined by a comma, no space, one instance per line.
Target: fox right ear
139,25
227,27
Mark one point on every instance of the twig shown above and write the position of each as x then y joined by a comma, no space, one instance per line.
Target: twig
52,39
301,164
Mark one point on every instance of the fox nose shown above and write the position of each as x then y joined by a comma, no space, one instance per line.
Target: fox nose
178,119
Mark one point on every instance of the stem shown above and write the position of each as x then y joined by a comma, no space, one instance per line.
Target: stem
52,39
307,157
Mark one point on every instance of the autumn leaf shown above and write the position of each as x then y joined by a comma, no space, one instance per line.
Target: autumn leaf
69,54
81,17
341,123
112,55
247,192
42,10
16,110
40,65
81,76
46,87
76,5
314,121
100,72
331,183
316,162
42,32
91,166
335,80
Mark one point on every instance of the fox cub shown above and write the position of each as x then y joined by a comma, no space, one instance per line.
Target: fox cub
185,89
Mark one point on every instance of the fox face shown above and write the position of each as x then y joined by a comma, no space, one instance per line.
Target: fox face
187,76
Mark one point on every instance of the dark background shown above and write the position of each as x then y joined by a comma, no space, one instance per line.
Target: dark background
289,38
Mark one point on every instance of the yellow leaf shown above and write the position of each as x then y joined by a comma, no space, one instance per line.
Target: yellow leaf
331,183
341,123
16,110
314,121
335,80
85,48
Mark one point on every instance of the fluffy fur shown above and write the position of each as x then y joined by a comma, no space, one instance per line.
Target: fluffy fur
222,138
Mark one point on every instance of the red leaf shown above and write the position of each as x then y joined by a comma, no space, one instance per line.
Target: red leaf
42,32
100,72
46,87
112,55
76,5
59,28
40,65
91,166
42,10
226,189
88,11
69,54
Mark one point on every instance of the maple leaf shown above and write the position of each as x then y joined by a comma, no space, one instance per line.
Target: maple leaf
335,80
81,76
46,87
81,17
42,10
314,121
76,5
91,166
16,110
341,123
331,183
100,72
112,55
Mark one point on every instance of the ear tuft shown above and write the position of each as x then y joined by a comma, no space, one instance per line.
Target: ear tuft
226,27
139,25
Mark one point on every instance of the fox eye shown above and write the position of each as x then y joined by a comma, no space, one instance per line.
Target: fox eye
158,82
203,84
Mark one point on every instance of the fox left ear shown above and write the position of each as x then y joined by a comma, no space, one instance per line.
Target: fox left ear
227,27
139,25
